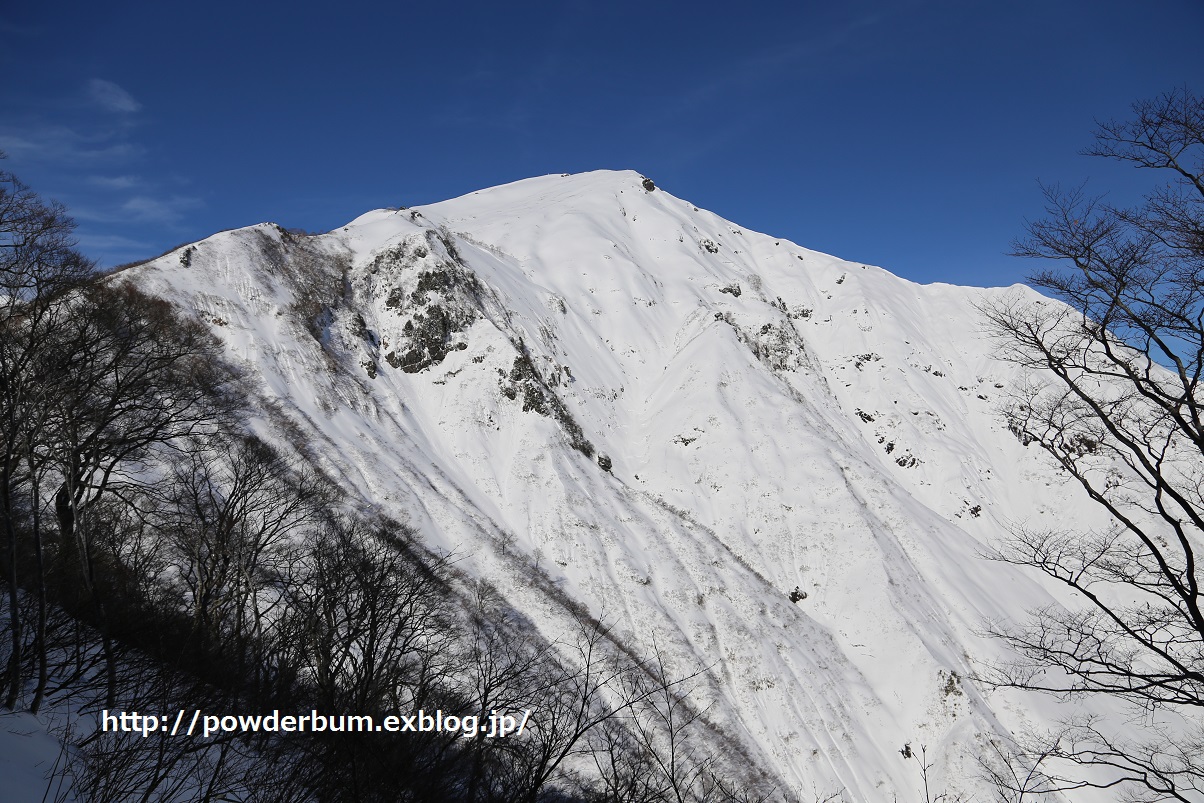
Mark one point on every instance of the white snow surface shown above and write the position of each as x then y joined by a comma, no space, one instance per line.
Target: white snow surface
827,425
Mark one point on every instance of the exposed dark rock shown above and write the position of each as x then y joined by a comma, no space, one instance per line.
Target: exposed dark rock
525,383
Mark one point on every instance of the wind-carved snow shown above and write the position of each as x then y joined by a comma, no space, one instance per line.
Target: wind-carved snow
677,421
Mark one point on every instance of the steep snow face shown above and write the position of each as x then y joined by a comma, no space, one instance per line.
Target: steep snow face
599,395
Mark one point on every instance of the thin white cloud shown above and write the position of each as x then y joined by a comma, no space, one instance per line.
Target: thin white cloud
16,145
111,97
85,146
137,210
64,145
115,182
111,242
110,250
147,209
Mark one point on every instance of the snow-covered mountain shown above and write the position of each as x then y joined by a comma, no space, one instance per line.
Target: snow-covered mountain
597,394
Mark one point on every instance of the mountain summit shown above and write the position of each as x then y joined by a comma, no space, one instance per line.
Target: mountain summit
754,459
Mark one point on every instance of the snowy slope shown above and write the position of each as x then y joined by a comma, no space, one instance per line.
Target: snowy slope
772,417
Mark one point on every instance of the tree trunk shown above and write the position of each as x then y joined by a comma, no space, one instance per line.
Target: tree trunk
40,558
13,673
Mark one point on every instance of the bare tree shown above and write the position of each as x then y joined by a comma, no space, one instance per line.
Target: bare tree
656,750
130,378
1015,773
227,509
38,264
1115,398
367,617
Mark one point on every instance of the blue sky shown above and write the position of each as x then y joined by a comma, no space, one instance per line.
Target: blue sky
907,134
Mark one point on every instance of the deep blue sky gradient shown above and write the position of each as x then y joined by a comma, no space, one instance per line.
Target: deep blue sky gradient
907,134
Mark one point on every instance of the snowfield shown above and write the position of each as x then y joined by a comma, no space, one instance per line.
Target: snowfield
597,394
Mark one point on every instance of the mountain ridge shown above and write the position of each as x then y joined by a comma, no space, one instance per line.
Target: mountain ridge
676,421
